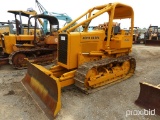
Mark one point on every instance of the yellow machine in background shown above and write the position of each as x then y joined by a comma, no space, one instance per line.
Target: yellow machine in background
17,25
88,59
7,27
136,34
38,47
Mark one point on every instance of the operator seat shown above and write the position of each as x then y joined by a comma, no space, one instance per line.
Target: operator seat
117,28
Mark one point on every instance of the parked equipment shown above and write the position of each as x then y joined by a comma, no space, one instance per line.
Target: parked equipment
13,26
135,34
138,35
90,60
152,36
149,97
38,47
7,27
16,27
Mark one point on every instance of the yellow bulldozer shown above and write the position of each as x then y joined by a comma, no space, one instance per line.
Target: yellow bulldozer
91,60
15,27
35,46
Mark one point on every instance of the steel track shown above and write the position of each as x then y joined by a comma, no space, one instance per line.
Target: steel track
45,58
82,71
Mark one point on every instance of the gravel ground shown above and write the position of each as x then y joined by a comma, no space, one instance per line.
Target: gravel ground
111,103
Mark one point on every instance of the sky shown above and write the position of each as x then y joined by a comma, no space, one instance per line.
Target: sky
145,11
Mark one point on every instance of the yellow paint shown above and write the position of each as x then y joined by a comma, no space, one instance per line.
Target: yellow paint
38,86
9,41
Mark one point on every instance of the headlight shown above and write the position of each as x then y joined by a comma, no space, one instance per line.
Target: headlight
63,38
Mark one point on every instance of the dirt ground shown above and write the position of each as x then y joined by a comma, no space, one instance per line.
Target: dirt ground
111,103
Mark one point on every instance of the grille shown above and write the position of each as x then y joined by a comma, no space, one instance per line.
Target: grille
62,48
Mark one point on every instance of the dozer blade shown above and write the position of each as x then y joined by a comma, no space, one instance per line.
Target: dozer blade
43,88
152,43
149,97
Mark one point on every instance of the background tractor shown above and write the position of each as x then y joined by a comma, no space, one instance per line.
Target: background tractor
38,47
152,36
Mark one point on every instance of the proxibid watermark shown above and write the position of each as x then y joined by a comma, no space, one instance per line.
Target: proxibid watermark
140,112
